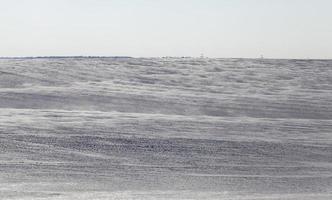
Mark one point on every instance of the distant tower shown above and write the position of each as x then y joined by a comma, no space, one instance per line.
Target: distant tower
202,55
262,57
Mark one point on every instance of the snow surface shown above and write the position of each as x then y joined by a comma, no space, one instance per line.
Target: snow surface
165,128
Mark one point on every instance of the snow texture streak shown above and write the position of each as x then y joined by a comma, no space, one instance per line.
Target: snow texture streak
165,128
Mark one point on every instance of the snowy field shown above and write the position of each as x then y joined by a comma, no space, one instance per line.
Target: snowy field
165,128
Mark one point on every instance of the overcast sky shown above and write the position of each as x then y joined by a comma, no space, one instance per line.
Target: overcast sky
149,28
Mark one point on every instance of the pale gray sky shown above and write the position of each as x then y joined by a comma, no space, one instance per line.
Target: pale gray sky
217,28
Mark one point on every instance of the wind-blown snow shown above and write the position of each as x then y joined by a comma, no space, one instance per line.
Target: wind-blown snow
165,128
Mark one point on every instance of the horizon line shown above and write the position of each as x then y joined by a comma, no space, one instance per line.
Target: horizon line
206,57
